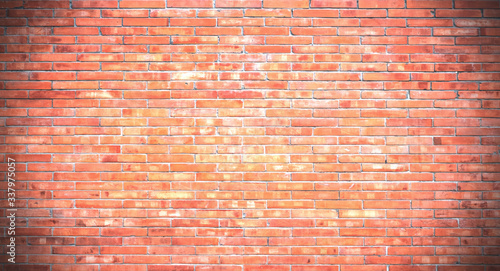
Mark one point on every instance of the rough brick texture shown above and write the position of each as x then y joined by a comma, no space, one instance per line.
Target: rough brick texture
246,135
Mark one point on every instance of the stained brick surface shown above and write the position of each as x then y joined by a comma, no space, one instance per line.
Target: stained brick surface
252,135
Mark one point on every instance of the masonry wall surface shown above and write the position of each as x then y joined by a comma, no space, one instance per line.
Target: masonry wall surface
252,135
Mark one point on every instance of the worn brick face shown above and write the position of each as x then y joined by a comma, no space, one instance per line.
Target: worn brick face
245,135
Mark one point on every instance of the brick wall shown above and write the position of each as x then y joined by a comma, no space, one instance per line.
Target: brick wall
246,135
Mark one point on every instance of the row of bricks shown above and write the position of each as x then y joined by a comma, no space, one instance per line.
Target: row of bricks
203,254
208,181
207,57
239,13
304,177
259,218
252,154
259,107
371,35
470,45
418,70
206,22
228,166
187,234
334,263
225,156
160,4
306,235
254,131
203,93
321,201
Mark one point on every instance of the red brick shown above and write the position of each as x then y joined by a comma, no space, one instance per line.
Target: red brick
253,135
